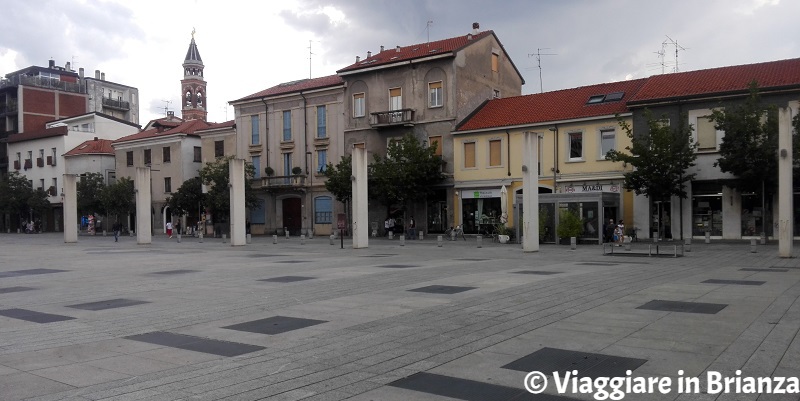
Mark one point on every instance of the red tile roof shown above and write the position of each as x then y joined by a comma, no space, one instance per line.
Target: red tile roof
720,80
38,134
438,47
550,106
92,147
186,127
296,86
226,124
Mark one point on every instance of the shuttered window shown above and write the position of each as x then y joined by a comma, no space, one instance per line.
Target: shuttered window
706,134
469,155
495,158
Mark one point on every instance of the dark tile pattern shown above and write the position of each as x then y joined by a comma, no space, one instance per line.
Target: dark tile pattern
193,343
597,264
108,304
469,390
292,261
398,266
287,279
549,360
7,290
29,272
275,325
473,259
536,272
179,271
733,282
680,306
379,255
771,270
259,255
442,289
33,316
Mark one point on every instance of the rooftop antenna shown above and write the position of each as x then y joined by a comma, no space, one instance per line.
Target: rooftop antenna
539,55
309,62
428,29
662,54
166,106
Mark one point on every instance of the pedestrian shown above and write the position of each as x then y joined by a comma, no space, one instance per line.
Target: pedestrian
608,230
386,226
178,227
169,229
619,233
117,228
412,228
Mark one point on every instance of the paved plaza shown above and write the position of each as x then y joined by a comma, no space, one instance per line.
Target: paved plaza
100,320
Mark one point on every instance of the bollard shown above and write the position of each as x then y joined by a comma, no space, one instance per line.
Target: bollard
655,239
332,237
687,244
286,231
224,238
200,236
303,239
573,242
421,235
480,241
391,235
708,237
439,241
753,245
104,233
402,240
275,239
179,238
248,240
18,231
627,242
131,233
763,238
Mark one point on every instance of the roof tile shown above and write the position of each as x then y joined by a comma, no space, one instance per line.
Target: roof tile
38,134
186,127
296,86
92,146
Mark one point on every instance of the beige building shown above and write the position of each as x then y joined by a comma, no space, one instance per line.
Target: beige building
290,132
424,89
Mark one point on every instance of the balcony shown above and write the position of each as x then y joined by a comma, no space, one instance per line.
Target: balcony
392,118
42,82
280,182
116,104
9,107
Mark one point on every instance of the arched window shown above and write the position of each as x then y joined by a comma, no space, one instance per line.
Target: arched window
199,99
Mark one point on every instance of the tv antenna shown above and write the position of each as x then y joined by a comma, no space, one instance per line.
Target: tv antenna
663,53
309,65
428,30
166,106
539,55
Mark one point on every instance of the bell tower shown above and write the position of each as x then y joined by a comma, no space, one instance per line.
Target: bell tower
193,86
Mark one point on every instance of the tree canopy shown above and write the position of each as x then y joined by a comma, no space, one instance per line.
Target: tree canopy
216,177
18,198
660,158
119,198
338,179
408,173
89,188
188,197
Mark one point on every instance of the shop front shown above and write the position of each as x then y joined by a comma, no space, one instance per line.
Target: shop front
480,209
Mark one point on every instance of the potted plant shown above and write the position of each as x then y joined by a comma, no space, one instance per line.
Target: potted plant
297,170
503,233
269,171
543,216
569,225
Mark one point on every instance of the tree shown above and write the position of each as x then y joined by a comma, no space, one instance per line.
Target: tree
660,158
188,197
119,198
38,201
215,175
89,188
338,180
407,174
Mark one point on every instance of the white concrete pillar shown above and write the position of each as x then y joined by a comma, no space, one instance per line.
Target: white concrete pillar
144,215
237,182
530,192
70,208
360,206
785,196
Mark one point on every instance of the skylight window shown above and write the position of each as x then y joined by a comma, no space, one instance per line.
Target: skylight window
595,99
611,97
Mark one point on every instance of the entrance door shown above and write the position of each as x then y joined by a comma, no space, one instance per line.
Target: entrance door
292,219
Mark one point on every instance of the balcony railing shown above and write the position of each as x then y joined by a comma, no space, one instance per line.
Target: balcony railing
280,181
116,104
8,107
42,82
391,118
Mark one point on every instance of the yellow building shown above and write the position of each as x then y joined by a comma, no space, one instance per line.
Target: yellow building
576,128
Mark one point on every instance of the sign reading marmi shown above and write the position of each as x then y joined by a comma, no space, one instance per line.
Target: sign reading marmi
615,188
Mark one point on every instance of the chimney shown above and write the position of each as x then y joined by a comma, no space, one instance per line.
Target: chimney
80,72
381,48
96,74
68,66
102,76
52,64
369,54
398,49
469,36
95,138
476,28
358,59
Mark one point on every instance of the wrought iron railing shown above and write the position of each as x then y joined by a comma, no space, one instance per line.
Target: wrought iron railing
392,117
116,104
42,82
280,181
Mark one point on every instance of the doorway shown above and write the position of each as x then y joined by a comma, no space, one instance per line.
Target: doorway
292,215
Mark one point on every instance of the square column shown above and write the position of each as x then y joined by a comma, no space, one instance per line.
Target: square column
236,182
360,206
785,197
70,208
144,214
530,192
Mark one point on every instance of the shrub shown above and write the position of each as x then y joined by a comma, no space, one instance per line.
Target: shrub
569,224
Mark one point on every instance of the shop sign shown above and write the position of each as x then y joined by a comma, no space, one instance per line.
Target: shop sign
480,193
592,188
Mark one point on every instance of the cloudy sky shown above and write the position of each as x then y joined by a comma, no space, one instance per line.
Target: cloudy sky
248,46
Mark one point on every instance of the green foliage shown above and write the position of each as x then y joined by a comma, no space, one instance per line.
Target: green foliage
569,224
188,197
119,198
750,146
660,158
215,175
269,171
296,170
543,216
18,198
502,229
38,201
408,173
338,180
90,187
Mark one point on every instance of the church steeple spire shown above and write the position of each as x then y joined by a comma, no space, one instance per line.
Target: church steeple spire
193,85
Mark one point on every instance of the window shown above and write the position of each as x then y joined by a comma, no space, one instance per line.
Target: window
322,122
147,156
575,145
219,148
322,160
256,160
495,156
254,136
41,183
359,105
287,125
435,94
323,210
608,141
55,187
198,154
706,134
596,99
436,141
257,215
129,158
167,185
287,166
495,62
469,155
395,99
167,156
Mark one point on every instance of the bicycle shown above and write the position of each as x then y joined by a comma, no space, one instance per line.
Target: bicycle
452,234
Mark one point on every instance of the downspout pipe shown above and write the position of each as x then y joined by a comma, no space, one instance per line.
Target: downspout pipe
508,152
266,126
